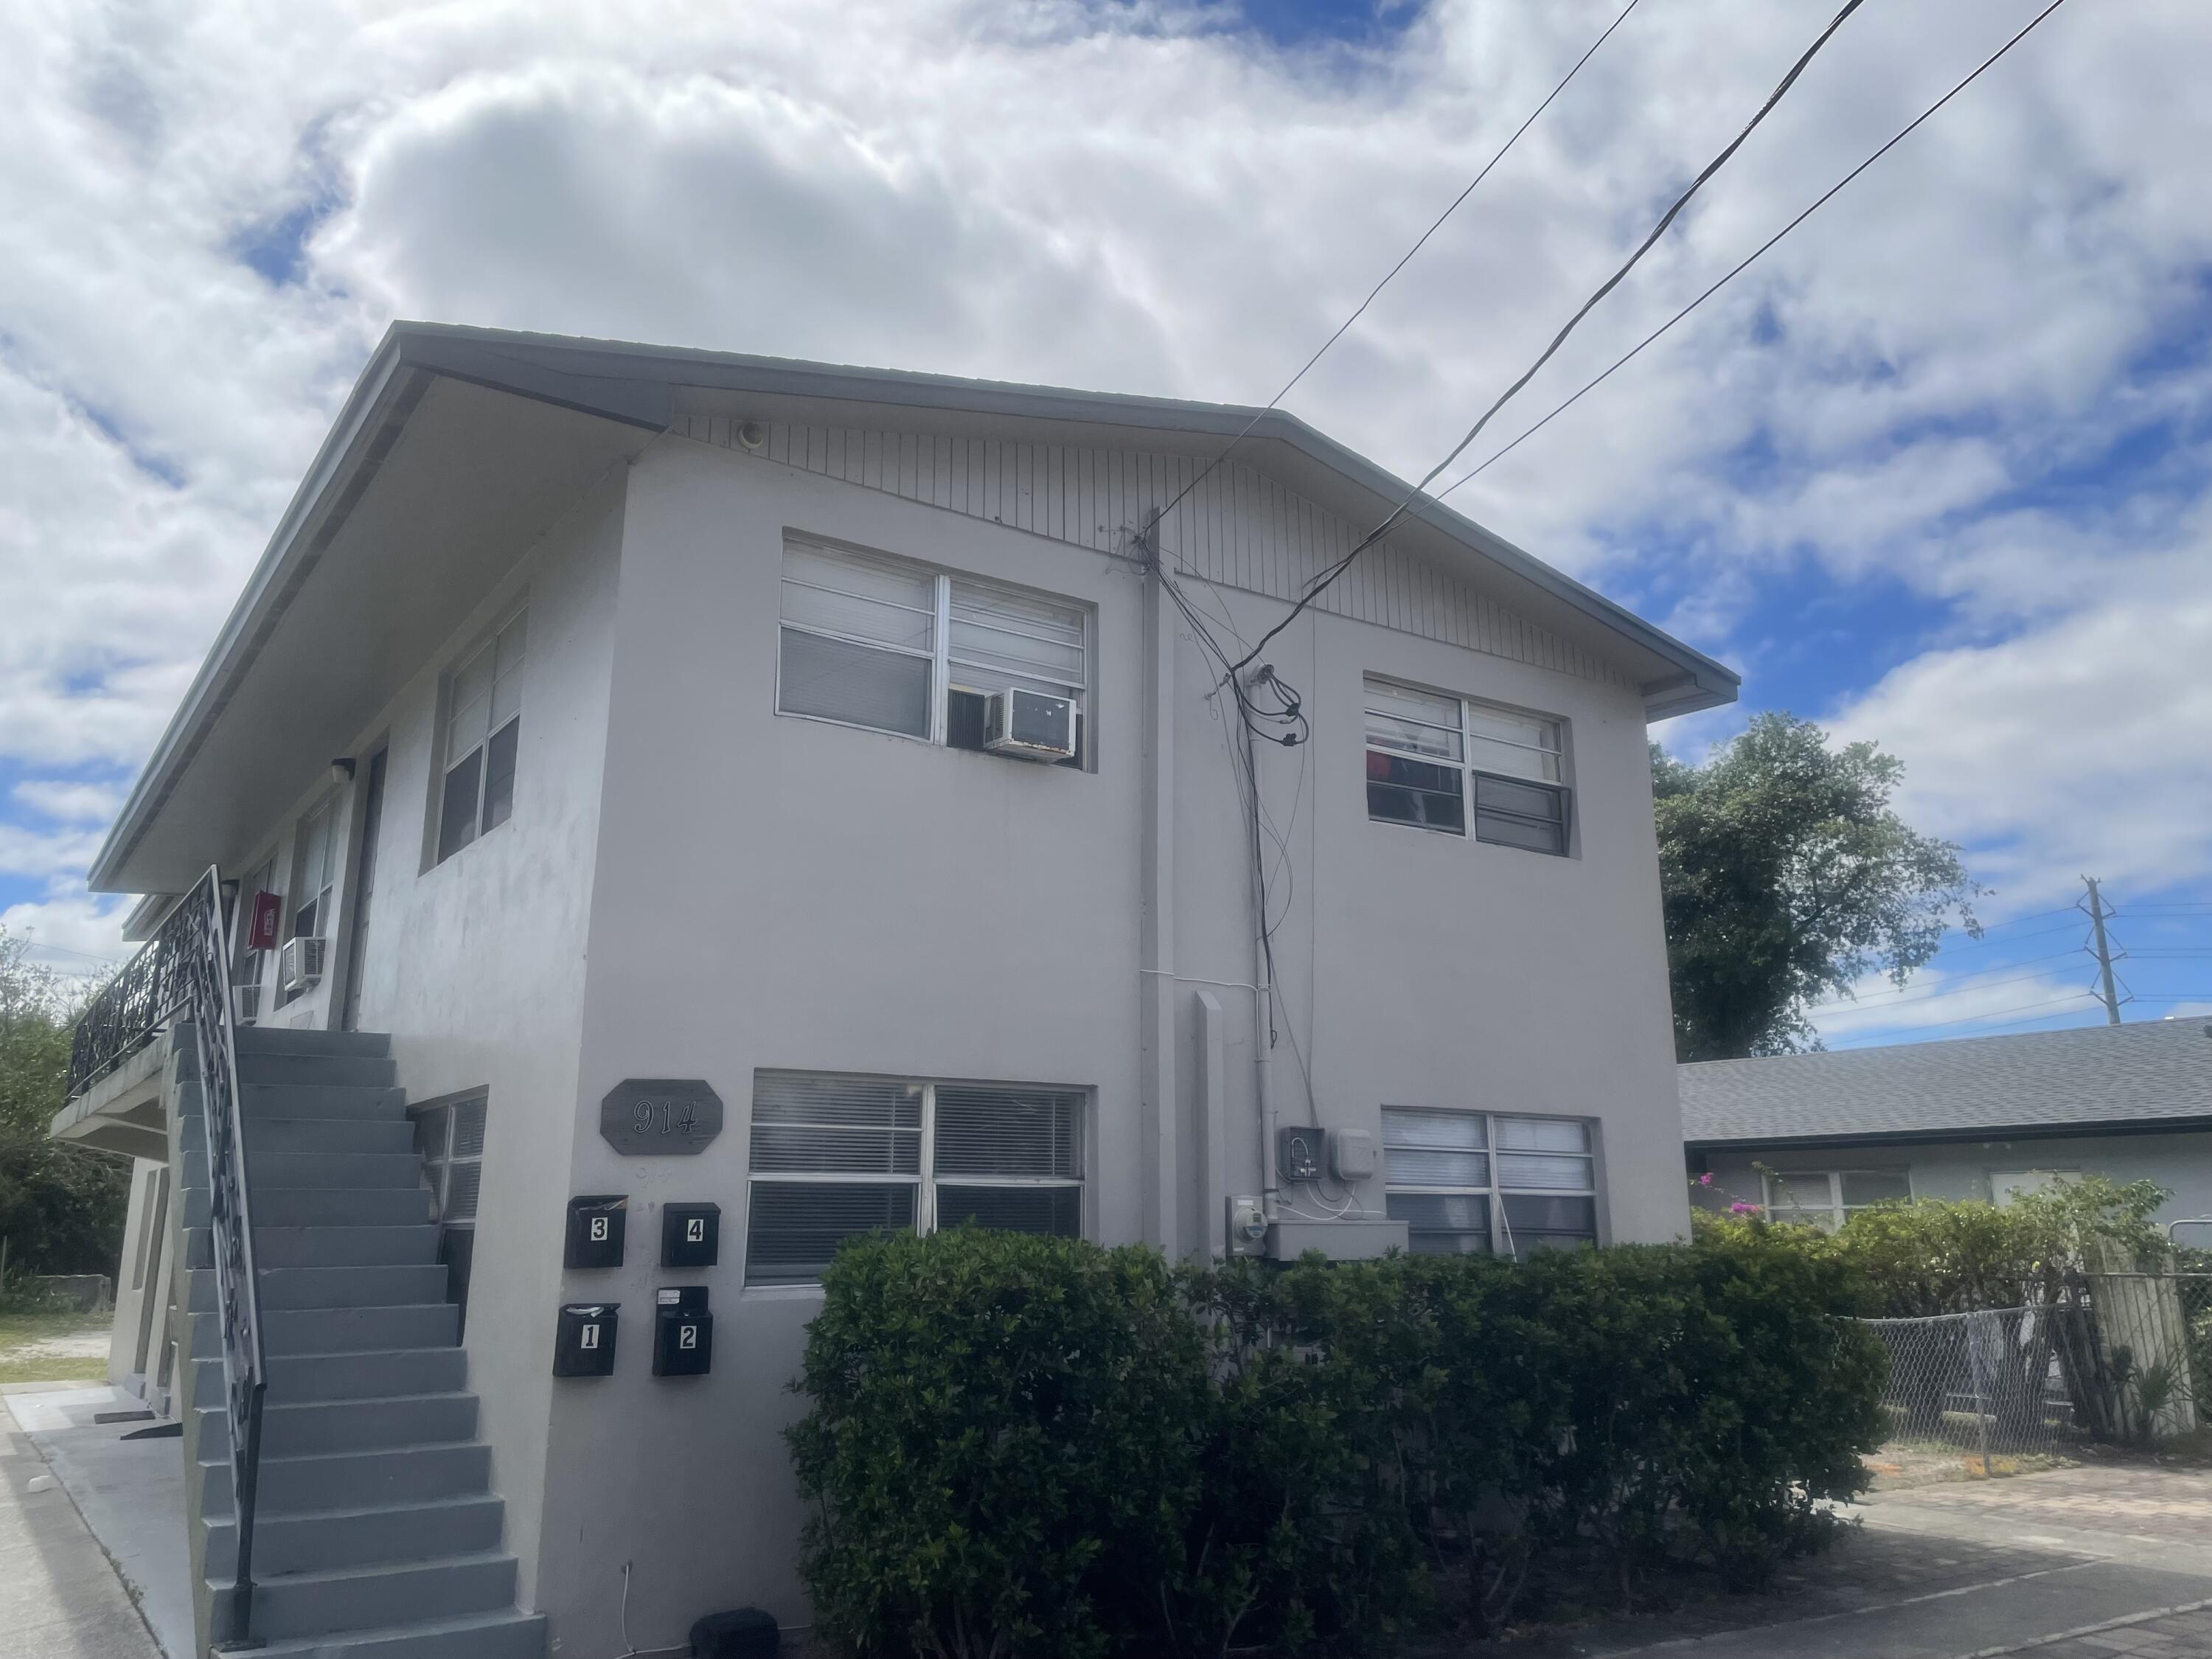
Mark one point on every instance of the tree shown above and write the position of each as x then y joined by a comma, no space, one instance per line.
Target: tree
61,1206
1788,875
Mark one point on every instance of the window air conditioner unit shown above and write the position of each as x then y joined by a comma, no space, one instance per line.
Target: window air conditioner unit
244,1004
1030,724
299,963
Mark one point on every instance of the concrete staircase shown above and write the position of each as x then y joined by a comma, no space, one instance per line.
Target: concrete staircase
377,1535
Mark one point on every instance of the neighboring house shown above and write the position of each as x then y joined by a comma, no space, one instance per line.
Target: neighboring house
1813,1137
608,730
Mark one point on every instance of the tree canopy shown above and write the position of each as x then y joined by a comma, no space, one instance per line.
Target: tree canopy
1787,877
61,1206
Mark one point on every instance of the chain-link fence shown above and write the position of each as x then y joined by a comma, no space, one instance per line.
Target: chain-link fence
1988,1383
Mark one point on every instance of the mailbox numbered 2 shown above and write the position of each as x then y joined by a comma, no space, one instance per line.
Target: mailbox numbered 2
683,1332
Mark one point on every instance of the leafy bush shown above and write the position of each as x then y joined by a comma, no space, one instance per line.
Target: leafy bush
1023,1446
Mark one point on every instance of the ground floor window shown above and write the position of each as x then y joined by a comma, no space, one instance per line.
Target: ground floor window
1479,1181
833,1156
450,1135
1828,1198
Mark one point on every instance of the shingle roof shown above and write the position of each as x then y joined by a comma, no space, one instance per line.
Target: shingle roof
2035,1081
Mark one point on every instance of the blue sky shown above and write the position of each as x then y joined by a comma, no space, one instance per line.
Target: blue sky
1934,472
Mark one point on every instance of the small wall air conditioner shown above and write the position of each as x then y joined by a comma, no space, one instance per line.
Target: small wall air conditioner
1030,726
299,964
244,1004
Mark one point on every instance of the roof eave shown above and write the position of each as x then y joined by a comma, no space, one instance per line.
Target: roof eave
1976,1133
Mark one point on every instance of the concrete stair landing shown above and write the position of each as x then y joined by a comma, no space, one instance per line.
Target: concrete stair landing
376,1535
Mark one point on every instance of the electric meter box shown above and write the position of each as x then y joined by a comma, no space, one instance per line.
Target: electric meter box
1298,1154
683,1332
691,1235
584,1339
596,1227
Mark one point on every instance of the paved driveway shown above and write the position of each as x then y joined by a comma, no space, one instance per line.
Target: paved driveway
2075,1564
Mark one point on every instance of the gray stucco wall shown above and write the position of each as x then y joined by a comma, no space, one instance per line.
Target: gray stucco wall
2180,1162
774,892
476,965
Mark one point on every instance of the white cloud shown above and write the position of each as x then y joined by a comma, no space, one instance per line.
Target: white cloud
70,801
1139,198
75,938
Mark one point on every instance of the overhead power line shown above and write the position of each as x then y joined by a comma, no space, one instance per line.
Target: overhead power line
1389,276
1820,202
1997,1013
1320,583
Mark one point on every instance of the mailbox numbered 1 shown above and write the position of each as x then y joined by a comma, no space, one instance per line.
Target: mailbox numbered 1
584,1339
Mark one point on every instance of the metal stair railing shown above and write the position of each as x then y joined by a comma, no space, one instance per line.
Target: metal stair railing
182,979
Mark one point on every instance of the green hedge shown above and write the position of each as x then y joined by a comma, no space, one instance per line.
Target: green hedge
1020,1446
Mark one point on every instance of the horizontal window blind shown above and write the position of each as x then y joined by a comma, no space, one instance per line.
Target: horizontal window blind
1449,764
834,1156
1477,1181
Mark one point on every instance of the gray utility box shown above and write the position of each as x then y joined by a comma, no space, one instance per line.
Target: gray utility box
1339,1241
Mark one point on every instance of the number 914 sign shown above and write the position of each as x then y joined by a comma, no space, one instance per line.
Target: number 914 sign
659,1116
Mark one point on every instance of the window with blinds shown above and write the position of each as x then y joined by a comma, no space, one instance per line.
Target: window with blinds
835,1156
878,643
1448,763
450,1136
483,734
1476,1182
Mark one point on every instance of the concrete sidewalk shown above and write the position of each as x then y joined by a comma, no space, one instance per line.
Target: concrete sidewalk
60,1598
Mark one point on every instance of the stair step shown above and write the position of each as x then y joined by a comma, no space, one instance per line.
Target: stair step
277,1066
272,1172
318,1603
407,1246
328,1538
495,1636
311,1428
299,1289
339,1330
368,1480
326,1207
272,1132
372,1375
285,1040
321,1100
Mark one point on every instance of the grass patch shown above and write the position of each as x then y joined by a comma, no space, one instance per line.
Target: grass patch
29,1352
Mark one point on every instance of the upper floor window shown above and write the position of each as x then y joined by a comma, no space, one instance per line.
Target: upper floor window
1828,1198
836,1155
1474,1182
483,727
1437,762
894,647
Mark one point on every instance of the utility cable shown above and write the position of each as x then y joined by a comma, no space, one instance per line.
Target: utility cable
1260,414
1821,201
1320,583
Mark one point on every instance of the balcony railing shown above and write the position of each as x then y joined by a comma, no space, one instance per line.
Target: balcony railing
135,1006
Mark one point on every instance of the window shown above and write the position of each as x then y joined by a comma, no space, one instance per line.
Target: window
836,1155
1467,1183
1827,1198
895,647
315,860
246,972
451,1139
1433,761
483,727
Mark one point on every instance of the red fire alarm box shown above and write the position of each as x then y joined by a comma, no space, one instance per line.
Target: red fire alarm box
261,926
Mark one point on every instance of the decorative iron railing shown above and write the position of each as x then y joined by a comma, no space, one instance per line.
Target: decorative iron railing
133,1007
182,979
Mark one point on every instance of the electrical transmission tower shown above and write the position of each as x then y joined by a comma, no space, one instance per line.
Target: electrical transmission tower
2108,992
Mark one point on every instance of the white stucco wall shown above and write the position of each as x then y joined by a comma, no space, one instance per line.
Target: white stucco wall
775,892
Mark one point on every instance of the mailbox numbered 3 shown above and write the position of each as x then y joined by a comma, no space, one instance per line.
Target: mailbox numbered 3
596,1230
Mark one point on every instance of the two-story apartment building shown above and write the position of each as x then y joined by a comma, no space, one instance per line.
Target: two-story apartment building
611,751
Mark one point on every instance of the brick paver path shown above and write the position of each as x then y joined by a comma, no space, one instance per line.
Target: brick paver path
2168,1636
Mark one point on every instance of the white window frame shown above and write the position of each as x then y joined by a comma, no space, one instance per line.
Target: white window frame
1496,1192
944,664
1467,737
1775,1182
925,1181
450,762
250,968
323,896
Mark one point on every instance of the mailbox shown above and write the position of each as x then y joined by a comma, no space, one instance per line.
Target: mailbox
584,1341
691,1235
596,1230
683,1332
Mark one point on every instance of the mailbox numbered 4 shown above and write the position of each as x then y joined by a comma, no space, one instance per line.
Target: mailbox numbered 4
691,1235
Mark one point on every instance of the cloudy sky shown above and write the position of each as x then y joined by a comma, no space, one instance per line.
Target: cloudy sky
1933,472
